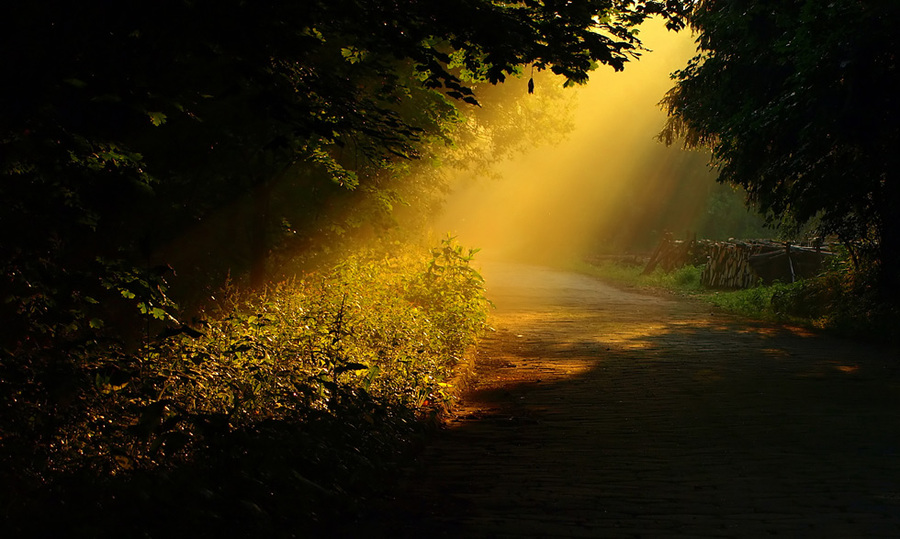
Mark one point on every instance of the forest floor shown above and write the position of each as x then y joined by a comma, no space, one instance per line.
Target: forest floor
602,412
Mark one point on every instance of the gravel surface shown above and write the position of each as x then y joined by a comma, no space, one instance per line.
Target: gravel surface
600,412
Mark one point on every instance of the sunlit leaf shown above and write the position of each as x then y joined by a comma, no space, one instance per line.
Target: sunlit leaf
157,118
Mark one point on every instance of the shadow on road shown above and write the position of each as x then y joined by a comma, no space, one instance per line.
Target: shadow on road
603,413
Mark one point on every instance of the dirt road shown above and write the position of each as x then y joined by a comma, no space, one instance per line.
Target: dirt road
604,413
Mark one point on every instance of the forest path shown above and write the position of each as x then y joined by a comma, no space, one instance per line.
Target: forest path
599,412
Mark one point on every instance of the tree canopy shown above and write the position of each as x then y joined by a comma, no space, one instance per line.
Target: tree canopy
129,125
797,101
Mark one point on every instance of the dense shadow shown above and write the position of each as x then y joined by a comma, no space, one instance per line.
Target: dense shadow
282,479
597,413
670,421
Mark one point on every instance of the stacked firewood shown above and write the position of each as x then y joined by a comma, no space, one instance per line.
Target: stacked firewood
739,264
728,265
672,254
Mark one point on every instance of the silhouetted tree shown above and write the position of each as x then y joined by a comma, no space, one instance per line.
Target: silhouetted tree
798,102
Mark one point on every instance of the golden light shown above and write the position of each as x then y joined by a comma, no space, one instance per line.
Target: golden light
558,200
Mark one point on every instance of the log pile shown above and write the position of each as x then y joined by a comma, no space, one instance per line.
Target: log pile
735,264
672,254
728,265
739,264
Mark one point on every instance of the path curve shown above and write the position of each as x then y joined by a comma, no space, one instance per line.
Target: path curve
599,412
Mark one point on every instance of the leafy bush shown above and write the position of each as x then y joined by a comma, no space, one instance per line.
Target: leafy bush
753,302
358,348
843,300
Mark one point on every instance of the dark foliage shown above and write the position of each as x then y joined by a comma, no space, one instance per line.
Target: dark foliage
798,102
150,149
285,478
129,125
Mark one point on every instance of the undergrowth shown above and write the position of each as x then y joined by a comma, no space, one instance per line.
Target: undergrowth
268,413
842,300
683,280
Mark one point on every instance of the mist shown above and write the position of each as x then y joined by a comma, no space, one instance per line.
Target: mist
610,186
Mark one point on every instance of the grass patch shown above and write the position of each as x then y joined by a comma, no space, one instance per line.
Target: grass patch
684,280
755,303
840,301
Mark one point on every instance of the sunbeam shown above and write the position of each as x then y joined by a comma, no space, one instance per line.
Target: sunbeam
609,186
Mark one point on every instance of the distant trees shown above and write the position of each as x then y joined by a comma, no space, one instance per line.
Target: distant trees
798,102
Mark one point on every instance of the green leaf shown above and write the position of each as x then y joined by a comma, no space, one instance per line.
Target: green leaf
353,55
157,118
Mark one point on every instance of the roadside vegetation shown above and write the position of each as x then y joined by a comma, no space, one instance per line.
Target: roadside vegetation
281,408
186,346
841,300
752,96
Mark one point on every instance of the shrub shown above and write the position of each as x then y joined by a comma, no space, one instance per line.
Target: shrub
371,339
753,302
